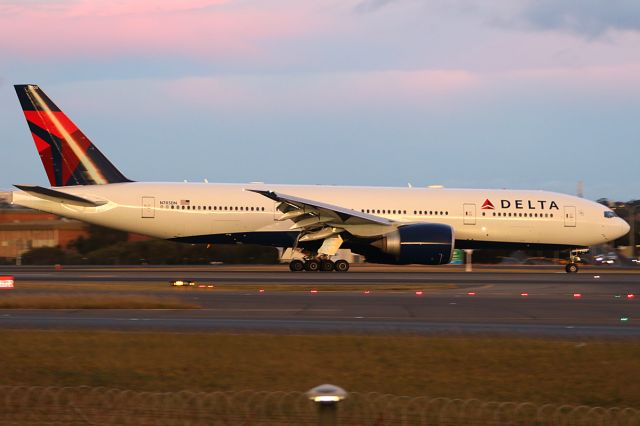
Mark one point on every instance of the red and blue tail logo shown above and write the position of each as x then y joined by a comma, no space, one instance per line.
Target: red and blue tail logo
68,156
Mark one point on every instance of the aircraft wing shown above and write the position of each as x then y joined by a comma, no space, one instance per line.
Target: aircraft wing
307,213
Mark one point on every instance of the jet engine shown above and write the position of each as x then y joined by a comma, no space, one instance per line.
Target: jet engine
425,243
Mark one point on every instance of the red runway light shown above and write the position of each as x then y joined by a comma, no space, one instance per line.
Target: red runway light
367,292
471,293
419,293
524,294
314,291
577,295
202,286
631,296
261,290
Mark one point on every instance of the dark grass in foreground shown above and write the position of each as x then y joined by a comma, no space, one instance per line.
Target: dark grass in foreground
93,301
605,373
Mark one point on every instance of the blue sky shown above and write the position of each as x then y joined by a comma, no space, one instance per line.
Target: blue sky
463,93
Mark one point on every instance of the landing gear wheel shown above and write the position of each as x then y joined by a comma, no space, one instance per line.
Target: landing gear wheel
571,268
341,265
312,265
296,265
326,266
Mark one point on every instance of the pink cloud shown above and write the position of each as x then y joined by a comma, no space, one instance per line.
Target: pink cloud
145,27
624,78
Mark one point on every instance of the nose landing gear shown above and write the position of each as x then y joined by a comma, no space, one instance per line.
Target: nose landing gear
572,266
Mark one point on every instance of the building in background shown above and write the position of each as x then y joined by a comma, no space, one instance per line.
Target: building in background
24,229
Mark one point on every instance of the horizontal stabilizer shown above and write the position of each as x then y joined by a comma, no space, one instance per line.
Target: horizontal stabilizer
59,196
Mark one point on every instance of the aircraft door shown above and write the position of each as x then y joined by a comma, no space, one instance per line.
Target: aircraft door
569,216
469,214
148,207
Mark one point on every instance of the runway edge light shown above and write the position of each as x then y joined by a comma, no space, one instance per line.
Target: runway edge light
327,398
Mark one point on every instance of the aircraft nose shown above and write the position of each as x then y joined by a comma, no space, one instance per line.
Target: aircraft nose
624,227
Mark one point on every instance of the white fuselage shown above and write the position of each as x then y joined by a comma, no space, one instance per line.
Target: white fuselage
181,210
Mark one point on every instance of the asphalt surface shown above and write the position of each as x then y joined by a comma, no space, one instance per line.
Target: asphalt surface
516,301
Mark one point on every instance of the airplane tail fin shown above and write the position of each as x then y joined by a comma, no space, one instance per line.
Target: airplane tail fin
68,156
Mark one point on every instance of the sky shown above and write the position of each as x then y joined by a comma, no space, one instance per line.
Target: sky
524,94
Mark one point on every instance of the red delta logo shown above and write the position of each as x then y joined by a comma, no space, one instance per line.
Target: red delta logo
487,205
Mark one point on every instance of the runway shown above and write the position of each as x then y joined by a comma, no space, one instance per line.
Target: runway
528,301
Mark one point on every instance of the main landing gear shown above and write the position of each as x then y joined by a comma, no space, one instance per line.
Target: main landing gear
572,266
315,265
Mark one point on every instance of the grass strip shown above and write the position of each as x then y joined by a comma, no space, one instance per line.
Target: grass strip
596,373
88,301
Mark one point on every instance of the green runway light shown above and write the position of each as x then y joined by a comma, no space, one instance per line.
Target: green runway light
624,319
617,296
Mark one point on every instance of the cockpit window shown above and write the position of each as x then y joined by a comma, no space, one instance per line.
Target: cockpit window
609,214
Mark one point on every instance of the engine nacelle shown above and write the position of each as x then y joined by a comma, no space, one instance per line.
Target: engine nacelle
425,243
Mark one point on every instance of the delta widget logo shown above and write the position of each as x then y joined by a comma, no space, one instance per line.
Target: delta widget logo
487,205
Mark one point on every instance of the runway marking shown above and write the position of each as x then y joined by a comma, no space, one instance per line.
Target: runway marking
270,310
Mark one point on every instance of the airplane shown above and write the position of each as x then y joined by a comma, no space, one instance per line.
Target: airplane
386,225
